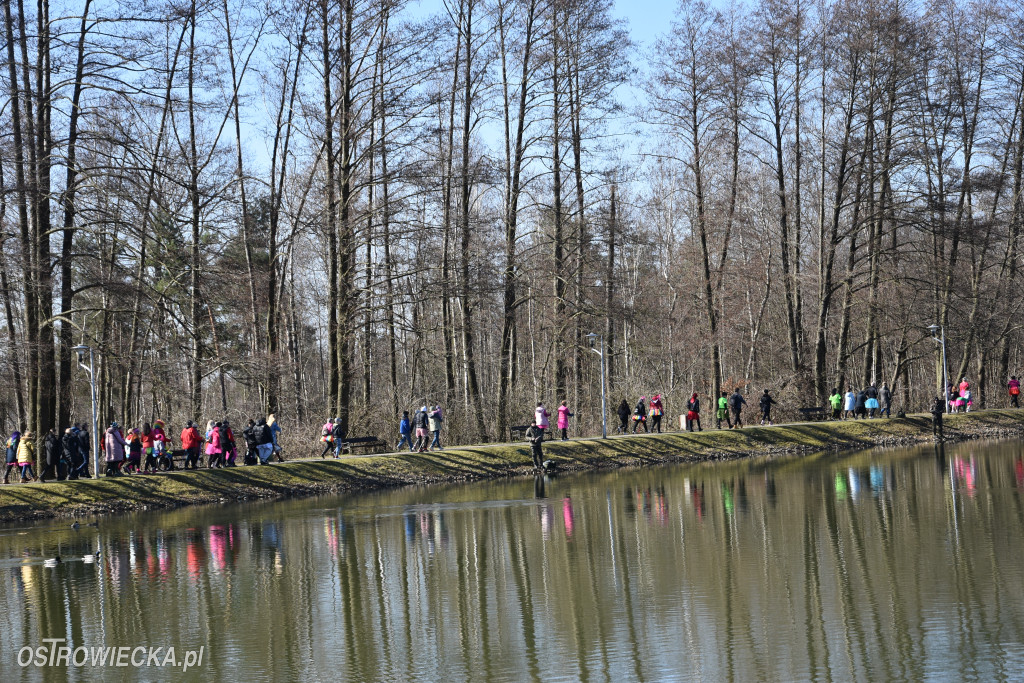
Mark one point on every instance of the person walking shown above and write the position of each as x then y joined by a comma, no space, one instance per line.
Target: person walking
134,452
113,449
149,467
190,443
656,413
339,437
693,413
227,444
69,442
275,432
26,456
541,415
51,457
850,404
736,403
252,445
871,400
884,401
722,413
404,432
766,402
264,441
563,420
85,448
624,413
11,461
327,436
535,435
1013,386
860,407
214,454
936,410
162,446
835,400
421,422
640,414
435,418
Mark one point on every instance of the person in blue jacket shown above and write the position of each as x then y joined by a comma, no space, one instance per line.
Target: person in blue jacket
405,430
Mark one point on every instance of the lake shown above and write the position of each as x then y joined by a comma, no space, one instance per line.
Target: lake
899,564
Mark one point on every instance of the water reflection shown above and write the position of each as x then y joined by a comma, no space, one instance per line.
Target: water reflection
879,566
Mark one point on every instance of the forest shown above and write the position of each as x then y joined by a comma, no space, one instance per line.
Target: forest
351,208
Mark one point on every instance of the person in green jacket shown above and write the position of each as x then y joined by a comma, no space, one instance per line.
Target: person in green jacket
836,401
723,411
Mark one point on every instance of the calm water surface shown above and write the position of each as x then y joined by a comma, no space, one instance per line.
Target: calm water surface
882,565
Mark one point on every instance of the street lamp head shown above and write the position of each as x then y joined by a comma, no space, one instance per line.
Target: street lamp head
81,350
590,338
934,328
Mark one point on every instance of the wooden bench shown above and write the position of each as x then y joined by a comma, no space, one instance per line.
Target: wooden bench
518,433
368,442
815,414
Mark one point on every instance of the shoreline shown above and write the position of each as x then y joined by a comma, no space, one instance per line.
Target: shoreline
301,478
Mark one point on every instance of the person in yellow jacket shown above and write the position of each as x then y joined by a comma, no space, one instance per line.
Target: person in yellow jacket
27,456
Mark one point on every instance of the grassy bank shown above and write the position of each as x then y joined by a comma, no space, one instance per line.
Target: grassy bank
309,477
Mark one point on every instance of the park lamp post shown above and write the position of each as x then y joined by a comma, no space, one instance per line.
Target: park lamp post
941,338
81,350
604,403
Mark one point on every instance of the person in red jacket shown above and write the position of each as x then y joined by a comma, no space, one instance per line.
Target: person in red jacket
1014,388
190,443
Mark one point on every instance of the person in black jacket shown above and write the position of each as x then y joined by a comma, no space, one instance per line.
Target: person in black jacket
264,441
936,410
51,457
250,443
736,403
535,435
624,413
339,437
860,407
693,412
421,423
766,403
884,401
84,448
640,414
70,445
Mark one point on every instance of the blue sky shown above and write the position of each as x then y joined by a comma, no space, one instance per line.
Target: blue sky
647,18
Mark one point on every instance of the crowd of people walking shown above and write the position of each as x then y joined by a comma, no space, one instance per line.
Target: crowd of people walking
146,449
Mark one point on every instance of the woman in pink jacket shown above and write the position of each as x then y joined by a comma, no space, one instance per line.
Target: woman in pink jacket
563,419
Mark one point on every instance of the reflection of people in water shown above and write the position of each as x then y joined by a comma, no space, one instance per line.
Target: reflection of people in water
660,507
966,473
1019,471
538,486
567,515
546,515
195,552
222,541
698,499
